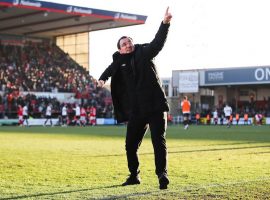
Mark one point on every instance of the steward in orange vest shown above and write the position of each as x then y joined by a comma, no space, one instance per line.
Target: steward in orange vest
185,104
245,118
231,118
208,119
198,118
237,118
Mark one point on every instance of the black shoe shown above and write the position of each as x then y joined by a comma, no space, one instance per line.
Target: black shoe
163,181
132,180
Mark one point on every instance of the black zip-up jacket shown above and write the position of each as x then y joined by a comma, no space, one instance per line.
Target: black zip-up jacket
135,85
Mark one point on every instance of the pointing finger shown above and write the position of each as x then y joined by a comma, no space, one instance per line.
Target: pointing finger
167,10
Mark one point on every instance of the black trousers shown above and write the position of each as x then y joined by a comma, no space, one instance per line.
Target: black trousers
136,129
186,118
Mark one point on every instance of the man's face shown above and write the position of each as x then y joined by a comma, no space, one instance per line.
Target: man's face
126,46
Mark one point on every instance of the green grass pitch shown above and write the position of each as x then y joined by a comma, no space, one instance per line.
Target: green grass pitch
205,162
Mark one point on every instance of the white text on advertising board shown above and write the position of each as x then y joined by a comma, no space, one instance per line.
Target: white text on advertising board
216,76
262,74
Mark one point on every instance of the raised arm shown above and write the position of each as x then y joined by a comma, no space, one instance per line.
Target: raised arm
158,42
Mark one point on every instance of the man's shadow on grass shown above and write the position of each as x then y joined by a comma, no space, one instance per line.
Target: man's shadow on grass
57,193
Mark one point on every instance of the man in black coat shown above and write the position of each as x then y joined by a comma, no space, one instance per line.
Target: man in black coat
139,99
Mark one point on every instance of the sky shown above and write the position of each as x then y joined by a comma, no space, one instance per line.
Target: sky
203,33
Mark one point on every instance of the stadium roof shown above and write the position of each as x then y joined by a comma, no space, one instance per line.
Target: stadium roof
47,20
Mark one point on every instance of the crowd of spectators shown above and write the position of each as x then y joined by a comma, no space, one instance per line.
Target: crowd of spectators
41,67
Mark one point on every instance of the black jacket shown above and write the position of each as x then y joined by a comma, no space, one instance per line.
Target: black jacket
141,91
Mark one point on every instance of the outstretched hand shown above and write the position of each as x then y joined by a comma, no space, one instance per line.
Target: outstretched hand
100,83
167,16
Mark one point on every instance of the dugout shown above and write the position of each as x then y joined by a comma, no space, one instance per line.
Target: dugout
246,89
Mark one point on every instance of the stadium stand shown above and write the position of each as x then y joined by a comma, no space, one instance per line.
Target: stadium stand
41,67
35,72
